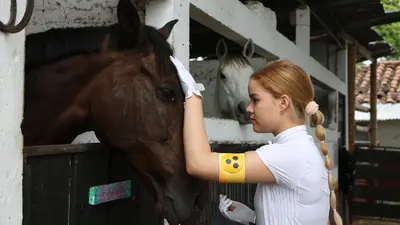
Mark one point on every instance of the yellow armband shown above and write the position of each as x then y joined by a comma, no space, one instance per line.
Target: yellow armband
232,168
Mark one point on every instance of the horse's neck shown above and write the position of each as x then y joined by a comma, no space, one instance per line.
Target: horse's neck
59,107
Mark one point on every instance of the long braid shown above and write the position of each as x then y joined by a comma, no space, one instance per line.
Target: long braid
317,119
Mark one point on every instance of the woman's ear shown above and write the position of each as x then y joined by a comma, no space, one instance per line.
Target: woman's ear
284,102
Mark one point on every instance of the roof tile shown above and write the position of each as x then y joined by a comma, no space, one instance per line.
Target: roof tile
388,85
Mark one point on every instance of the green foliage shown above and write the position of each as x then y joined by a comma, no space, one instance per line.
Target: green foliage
391,32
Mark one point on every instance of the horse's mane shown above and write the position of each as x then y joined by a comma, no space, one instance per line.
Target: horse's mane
57,44
235,58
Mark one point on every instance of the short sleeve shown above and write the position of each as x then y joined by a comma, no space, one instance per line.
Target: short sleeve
284,163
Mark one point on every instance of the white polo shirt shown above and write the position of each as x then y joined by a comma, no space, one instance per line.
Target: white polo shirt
301,195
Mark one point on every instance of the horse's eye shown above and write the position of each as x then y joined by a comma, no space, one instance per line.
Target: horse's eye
223,77
166,94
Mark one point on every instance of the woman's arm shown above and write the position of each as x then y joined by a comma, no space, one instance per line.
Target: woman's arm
204,164
207,165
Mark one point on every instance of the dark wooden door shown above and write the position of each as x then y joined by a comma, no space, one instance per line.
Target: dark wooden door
57,180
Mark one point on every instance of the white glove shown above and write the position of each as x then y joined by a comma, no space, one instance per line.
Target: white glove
236,211
189,86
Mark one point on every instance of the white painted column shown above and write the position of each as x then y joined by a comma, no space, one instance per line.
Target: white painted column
11,108
342,74
301,17
159,12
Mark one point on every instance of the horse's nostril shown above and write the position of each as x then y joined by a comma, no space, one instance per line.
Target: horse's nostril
240,108
197,202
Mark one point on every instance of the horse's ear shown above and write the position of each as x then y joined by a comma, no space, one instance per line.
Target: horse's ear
167,28
221,49
248,49
129,20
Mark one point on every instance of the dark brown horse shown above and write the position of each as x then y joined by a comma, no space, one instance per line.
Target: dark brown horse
119,82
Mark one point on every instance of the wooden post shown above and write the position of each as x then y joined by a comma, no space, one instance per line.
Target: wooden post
352,54
373,121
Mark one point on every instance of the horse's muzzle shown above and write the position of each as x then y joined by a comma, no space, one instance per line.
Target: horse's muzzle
242,116
180,210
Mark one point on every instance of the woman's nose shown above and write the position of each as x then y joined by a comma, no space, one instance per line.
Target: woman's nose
249,108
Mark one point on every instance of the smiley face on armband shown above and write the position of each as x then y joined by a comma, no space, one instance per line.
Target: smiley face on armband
232,162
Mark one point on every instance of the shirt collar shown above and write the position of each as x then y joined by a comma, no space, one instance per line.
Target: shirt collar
290,134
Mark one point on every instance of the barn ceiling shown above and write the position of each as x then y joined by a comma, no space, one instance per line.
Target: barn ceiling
328,19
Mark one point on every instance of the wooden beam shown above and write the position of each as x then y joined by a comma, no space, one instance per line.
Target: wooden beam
352,57
362,50
373,100
337,3
388,18
41,150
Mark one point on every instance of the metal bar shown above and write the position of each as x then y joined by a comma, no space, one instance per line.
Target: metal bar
373,101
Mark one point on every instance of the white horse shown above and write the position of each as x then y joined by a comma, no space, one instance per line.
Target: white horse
230,95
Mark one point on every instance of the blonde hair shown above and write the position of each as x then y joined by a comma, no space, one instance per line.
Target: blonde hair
284,77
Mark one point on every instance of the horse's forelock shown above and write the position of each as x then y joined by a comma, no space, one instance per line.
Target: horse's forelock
162,49
237,59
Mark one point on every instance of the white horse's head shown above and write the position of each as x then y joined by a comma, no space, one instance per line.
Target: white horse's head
232,81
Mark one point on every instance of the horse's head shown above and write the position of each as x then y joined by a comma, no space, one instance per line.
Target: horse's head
140,111
232,79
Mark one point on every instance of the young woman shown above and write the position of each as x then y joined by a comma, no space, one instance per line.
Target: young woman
293,176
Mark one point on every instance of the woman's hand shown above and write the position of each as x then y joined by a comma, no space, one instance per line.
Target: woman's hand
189,86
236,211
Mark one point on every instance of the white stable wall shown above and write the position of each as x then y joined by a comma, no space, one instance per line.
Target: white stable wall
11,108
49,14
